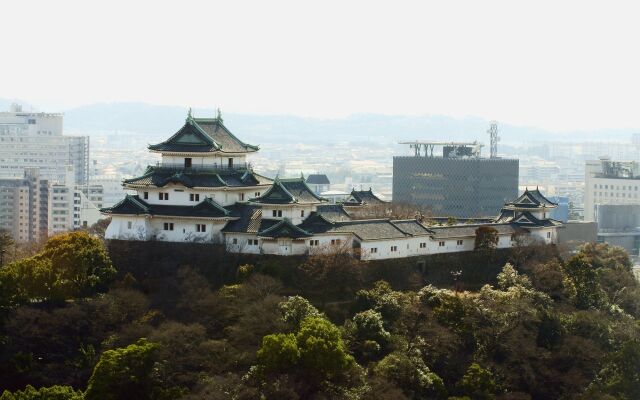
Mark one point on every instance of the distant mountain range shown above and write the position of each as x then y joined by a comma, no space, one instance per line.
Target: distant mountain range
164,120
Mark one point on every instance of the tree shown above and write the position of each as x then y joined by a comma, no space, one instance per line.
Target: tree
6,241
125,373
322,351
318,352
279,353
486,238
44,393
478,383
509,277
411,374
620,377
583,278
295,309
80,260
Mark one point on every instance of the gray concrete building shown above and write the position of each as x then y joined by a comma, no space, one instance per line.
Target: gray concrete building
459,183
35,140
24,207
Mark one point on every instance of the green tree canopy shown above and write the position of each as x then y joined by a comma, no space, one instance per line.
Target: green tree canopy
125,373
44,393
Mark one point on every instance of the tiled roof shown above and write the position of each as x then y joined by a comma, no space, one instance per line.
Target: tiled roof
333,212
133,205
289,191
455,231
412,227
363,197
373,229
286,229
531,199
249,219
160,176
203,135
526,219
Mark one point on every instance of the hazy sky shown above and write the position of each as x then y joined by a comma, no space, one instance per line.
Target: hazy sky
553,64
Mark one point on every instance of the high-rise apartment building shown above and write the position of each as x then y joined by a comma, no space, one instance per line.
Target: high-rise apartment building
24,206
35,140
610,182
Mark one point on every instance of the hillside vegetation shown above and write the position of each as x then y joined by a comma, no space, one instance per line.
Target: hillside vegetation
72,327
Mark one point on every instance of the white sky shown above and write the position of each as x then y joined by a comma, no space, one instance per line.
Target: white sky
553,64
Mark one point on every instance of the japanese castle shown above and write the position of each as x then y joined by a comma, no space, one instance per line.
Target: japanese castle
204,190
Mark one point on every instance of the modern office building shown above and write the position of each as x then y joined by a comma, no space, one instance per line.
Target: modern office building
24,206
35,140
458,183
610,182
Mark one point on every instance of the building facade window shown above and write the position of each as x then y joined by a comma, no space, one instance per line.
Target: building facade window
187,162
314,242
302,213
277,213
145,195
374,250
459,242
241,196
441,244
163,196
129,224
423,245
168,226
394,248
201,228
194,196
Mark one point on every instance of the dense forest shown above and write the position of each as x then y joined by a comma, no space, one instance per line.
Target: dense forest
548,326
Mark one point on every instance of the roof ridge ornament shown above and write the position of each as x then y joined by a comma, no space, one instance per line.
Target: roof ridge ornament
219,115
189,116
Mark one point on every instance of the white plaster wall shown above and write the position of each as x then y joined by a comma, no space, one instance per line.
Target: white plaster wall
291,212
184,230
119,228
292,247
182,198
242,243
205,161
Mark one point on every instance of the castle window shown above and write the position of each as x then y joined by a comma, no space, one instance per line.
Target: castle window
201,227
129,224
235,241
423,245
441,244
374,250
394,248
187,162
253,242
302,213
194,196
163,196
168,226
241,196
277,213
256,194
459,242
145,195
548,235
314,242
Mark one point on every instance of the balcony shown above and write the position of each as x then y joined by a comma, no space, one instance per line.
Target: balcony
215,167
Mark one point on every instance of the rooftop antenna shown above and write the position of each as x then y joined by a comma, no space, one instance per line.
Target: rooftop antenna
493,139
